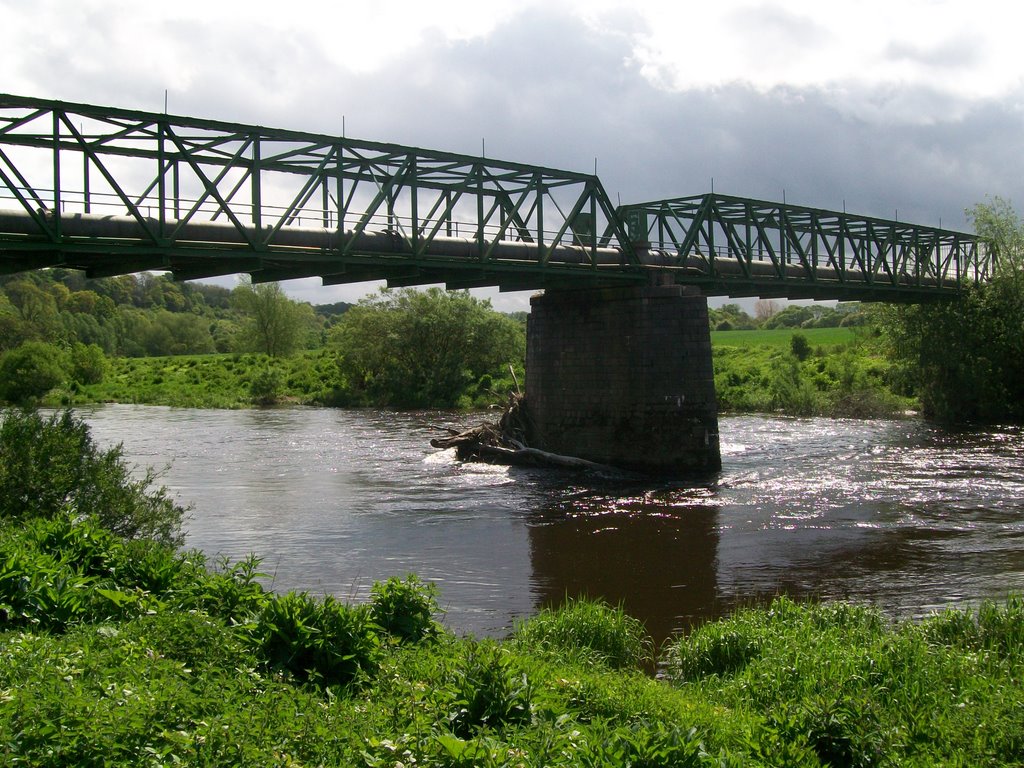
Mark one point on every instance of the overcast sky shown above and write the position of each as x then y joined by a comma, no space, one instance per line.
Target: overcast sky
915,106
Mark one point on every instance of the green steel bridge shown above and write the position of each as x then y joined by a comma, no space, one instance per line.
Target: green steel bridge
113,191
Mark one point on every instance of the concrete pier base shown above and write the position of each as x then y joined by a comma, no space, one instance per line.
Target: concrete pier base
623,376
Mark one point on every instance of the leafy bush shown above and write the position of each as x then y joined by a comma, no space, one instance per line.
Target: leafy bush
230,591
30,371
605,633
790,391
490,691
320,641
799,346
88,363
265,387
416,349
48,464
405,608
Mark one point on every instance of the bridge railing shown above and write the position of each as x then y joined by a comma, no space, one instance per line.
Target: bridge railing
172,176
76,202
723,239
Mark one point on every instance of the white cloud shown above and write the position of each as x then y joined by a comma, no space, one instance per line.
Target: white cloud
966,51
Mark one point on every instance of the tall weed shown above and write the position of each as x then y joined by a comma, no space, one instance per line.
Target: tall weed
405,608
319,641
589,627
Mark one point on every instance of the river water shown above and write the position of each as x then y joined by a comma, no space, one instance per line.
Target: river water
895,513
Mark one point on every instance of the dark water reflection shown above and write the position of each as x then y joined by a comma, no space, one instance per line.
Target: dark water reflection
895,513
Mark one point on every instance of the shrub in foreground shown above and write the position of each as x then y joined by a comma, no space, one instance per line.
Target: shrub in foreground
48,464
320,641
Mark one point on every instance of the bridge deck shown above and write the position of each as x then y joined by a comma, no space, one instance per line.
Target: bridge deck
114,191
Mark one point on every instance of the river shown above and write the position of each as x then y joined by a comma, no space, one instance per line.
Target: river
894,513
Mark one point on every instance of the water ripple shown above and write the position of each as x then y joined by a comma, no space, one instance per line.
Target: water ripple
897,513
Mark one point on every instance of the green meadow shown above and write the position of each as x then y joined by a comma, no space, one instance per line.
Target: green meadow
780,338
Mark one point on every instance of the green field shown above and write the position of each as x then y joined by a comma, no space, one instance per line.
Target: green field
779,337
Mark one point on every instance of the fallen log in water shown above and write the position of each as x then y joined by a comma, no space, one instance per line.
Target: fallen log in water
504,443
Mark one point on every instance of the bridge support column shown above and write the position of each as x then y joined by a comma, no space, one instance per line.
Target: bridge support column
623,376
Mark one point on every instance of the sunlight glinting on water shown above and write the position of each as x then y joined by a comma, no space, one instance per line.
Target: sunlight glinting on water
894,513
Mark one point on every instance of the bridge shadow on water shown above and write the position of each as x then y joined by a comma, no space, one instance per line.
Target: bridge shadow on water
653,552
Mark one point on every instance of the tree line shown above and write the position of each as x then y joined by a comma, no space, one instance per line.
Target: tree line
404,348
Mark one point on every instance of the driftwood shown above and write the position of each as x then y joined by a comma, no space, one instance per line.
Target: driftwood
505,443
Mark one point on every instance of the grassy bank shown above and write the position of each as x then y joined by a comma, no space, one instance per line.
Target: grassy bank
238,381
146,658
818,371
213,381
834,371
122,650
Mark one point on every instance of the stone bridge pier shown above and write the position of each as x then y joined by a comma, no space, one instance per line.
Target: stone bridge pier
623,376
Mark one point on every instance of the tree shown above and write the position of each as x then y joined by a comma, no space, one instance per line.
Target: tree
277,325
415,349
966,356
36,307
30,371
765,308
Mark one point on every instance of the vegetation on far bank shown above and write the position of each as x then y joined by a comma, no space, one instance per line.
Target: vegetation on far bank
122,650
835,372
964,359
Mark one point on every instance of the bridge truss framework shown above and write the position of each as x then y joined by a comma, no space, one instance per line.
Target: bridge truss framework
114,191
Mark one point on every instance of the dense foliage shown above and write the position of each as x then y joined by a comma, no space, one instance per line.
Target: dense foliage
965,359
50,466
416,349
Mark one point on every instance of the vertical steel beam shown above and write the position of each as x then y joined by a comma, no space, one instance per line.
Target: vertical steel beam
256,184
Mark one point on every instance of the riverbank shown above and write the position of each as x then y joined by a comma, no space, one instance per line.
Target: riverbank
826,371
129,655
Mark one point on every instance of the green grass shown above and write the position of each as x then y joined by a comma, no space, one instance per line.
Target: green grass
163,662
780,338
212,381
